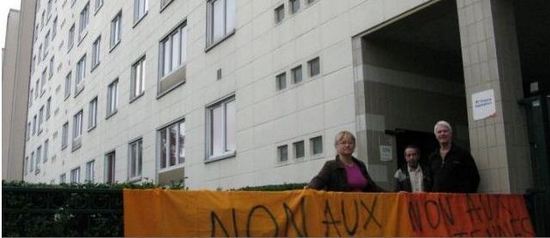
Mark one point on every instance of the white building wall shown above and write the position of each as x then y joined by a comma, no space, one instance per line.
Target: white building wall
250,59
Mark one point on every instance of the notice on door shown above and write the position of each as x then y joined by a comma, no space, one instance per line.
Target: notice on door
483,104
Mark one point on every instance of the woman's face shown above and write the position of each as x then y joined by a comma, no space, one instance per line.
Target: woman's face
345,146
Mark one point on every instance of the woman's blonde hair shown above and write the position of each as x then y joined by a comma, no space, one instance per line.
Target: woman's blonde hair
343,134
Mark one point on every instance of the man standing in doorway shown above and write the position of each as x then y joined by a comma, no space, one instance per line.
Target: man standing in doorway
414,177
453,168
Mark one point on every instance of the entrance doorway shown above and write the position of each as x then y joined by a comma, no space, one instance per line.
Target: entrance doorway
423,140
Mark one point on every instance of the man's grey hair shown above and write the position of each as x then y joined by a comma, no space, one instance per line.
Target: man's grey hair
442,123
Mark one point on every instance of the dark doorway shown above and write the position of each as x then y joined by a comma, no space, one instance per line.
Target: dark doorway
424,140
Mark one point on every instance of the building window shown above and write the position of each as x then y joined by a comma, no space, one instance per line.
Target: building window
32,162
135,159
42,19
221,128
314,67
140,9
34,122
40,53
77,126
84,19
68,85
33,65
54,28
294,6
281,81
43,81
316,145
37,159
173,50
49,8
48,107
65,135
75,175
282,153
96,47
92,114
297,74
62,178
28,130
50,74
46,44
115,30
40,119
80,75
90,171
27,167
137,85
299,151
46,145
279,13
30,97
110,167
98,4
112,98
70,40
220,20
172,145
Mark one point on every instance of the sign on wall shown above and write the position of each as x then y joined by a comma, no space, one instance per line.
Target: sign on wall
483,104
303,213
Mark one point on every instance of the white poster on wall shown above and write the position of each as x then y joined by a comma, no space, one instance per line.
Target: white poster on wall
483,104
385,153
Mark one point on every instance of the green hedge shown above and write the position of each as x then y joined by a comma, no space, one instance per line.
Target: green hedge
76,209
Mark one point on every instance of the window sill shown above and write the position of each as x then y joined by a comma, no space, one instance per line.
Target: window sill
136,22
91,128
111,114
170,168
63,147
133,99
76,144
215,43
165,5
114,46
79,88
81,37
171,81
135,179
66,97
95,67
97,9
226,155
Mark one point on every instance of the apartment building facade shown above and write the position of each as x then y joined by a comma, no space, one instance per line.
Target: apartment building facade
15,85
234,93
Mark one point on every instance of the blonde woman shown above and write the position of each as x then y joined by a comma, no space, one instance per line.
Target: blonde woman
345,173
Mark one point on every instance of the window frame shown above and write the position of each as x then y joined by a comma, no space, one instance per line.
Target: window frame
138,6
90,172
294,6
280,153
112,98
312,143
279,13
68,84
295,147
92,113
138,89
116,30
227,152
84,21
70,39
165,149
135,164
75,175
96,52
110,160
78,120
65,135
80,75
293,74
280,81
211,40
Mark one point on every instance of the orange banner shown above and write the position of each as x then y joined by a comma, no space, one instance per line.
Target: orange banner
160,212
